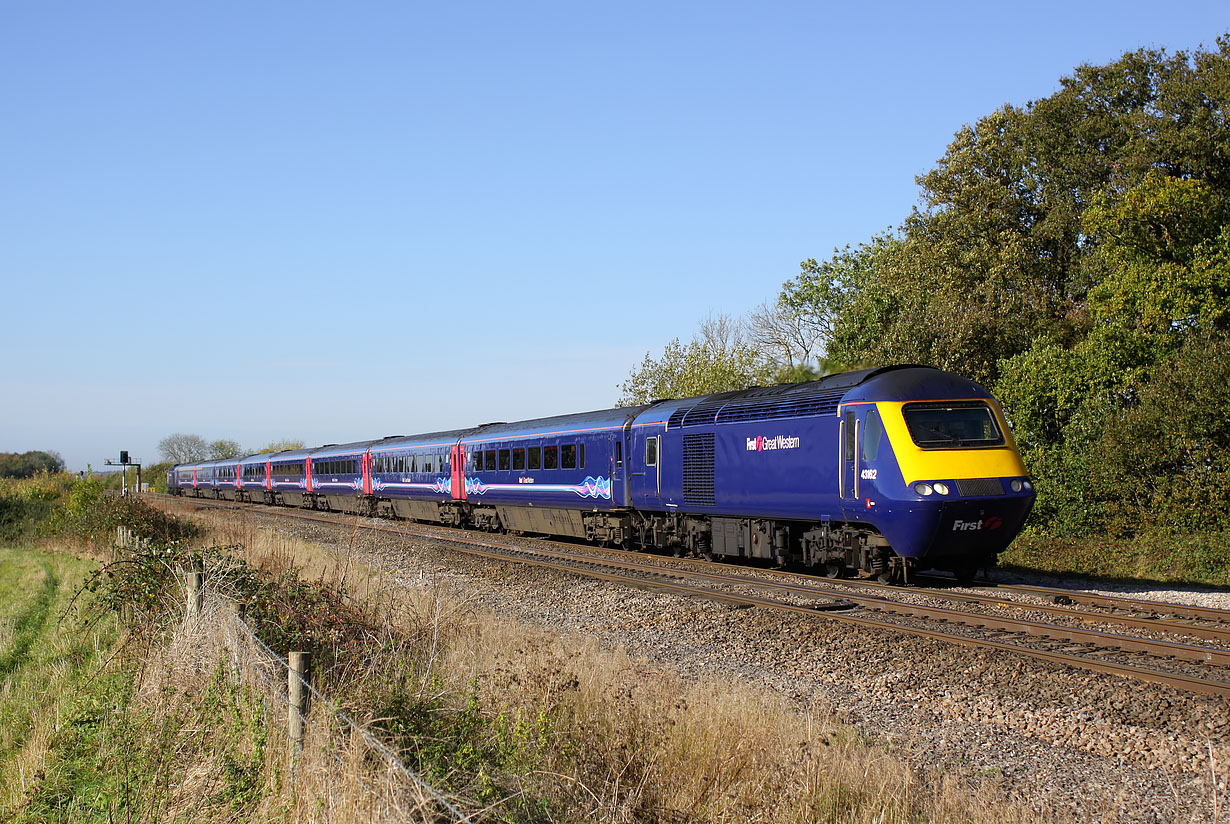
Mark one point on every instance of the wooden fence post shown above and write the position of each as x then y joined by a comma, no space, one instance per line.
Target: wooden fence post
196,591
297,679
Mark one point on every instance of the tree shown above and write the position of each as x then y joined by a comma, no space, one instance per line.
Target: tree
221,450
181,448
719,358
1165,246
29,464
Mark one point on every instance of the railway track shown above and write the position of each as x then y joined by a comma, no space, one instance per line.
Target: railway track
1064,636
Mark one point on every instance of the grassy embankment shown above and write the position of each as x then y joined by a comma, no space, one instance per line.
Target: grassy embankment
133,713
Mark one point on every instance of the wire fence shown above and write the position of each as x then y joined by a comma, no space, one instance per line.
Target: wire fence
384,788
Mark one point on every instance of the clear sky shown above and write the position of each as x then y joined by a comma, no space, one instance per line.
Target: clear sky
331,221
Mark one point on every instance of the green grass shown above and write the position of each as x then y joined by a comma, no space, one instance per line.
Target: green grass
52,666
1202,559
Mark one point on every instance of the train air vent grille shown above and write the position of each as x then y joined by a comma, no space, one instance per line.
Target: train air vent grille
698,470
702,414
676,417
980,487
825,404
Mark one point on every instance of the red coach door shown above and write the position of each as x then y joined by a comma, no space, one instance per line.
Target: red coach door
367,473
458,483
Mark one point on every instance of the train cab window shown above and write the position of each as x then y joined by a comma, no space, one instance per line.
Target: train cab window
953,425
489,460
505,462
550,457
568,456
518,458
535,457
873,433
651,451
848,446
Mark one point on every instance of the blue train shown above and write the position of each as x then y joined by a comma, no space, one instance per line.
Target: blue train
880,472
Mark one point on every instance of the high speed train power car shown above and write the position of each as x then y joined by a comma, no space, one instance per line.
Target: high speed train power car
880,472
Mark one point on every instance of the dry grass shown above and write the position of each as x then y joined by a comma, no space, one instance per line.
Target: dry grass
604,736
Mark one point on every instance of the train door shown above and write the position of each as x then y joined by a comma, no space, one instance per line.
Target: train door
457,481
849,432
645,467
619,466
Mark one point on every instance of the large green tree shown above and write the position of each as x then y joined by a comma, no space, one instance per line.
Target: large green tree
999,253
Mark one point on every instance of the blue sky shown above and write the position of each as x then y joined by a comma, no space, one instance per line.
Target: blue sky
259,221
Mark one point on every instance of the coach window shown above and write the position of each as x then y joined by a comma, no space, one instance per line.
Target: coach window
581,461
535,457
568,456
873,433
489,460
504,459
550,457
651,451
619,453
427,463
518,460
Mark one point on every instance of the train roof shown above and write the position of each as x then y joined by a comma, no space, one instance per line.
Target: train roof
556,424
331,449
916,383
819,397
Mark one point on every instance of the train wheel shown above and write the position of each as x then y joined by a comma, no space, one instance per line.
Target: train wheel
834,569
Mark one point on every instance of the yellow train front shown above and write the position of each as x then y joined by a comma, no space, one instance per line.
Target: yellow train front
928,461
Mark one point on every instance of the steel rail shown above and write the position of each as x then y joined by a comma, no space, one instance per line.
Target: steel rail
1212,614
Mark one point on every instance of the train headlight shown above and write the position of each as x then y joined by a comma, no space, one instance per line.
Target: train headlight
1028,486
923,489
940,488
1017,486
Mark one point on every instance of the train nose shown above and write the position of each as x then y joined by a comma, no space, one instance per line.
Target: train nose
980,526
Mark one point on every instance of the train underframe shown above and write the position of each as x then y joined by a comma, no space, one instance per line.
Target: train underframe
833,549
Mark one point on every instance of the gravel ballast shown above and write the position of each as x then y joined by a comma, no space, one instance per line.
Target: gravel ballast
1070,744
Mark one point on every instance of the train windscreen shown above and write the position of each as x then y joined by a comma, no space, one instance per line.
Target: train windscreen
960,425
